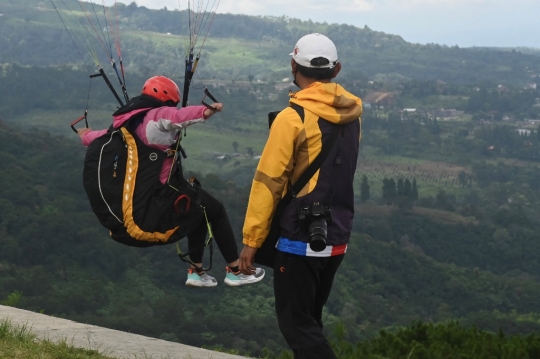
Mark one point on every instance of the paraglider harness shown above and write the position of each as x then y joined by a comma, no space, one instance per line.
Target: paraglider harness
136,220
121,179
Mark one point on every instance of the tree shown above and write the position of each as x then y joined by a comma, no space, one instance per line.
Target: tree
435,128
389,190
235,146
249,151
400,188
443,202
364,189
403,196
392,188
407,189
414,190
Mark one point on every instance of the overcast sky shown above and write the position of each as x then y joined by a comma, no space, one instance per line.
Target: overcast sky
501,23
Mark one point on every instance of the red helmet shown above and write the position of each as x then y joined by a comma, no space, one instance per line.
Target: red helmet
162,88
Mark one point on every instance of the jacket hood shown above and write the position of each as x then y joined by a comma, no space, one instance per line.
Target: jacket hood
119,120
329,101
134,106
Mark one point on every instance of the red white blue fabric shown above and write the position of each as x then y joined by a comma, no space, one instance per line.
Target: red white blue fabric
302,248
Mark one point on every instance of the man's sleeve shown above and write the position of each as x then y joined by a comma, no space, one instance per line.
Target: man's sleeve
272,176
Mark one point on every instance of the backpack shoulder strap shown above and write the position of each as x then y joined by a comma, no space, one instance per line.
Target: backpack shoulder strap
317,163
299,110
314,166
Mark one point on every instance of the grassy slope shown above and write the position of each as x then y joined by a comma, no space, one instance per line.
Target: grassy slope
20,343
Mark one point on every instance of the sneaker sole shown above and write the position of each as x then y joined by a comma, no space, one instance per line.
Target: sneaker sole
200,284
237,283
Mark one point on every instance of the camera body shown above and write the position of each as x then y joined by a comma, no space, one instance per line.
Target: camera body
319,217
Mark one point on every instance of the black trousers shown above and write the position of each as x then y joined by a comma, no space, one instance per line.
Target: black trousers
301,288
221,228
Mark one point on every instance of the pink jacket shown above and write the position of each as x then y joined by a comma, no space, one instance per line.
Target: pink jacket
158,129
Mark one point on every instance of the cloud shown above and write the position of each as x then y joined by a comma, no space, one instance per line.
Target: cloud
256,7
247,7
462,22
355,6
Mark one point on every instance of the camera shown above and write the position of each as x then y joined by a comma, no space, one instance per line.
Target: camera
319,217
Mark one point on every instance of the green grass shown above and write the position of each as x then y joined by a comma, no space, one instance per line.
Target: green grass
204,144
19,343
232,59
254,54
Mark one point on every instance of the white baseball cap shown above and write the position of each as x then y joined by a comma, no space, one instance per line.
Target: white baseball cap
313,46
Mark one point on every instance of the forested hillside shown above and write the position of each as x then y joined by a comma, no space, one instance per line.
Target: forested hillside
239,46
402,265
447,201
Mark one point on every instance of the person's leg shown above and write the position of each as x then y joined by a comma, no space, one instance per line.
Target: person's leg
196,240
197,277
225,240
325,286
221,227
301,287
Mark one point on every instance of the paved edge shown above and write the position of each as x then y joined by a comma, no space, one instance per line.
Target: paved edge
109,342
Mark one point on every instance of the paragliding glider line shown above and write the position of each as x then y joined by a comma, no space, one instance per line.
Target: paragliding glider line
97,28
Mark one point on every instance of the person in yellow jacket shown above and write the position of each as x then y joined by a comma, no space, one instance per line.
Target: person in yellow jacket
322,211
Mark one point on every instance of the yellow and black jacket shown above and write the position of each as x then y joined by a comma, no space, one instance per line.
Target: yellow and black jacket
292,146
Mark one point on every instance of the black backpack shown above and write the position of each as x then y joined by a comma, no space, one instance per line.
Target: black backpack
121,179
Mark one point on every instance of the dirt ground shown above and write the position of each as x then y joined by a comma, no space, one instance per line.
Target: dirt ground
109,342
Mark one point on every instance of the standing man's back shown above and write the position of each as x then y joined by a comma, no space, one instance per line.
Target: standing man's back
307,257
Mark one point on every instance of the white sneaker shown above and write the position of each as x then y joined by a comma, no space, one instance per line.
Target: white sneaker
235,279
195,279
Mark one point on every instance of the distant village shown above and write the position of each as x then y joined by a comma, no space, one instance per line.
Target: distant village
372,100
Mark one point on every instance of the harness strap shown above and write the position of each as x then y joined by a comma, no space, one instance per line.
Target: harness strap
176,160
177,203
184,257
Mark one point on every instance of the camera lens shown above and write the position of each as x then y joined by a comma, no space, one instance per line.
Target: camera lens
317,235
